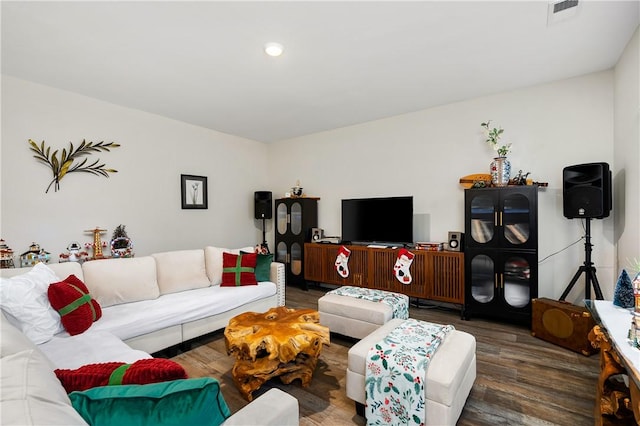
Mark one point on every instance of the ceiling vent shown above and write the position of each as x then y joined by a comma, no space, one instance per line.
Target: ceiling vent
562,10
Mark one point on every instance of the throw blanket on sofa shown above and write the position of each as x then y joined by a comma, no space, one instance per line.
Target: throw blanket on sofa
399,302
396,372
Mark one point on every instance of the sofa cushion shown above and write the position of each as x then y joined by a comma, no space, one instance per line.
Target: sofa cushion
130,320
213,261
92,346
73,302
116,281
141,372
24,300
238,269
180,402
181,270
31,393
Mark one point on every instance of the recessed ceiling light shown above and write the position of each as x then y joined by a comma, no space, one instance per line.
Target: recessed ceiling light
273,49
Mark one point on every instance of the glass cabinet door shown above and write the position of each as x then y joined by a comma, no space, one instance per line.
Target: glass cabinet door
296,218
296,259
483,213
482,279
517,281
281,218
281,252
515,219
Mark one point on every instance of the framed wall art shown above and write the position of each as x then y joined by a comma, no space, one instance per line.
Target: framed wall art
194,192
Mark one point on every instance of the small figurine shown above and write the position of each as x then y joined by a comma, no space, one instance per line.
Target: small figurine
74,253
97,244
121,245
6,255
34,255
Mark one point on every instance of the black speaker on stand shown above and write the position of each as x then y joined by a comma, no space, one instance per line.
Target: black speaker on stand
263,209
586,190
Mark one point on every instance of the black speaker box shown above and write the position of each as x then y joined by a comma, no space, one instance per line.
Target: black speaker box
456,241
586,190
262,205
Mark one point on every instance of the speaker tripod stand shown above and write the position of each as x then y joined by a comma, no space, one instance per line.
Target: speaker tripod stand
587,268
264,246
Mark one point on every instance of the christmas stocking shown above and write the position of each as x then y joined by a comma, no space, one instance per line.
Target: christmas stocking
403,263
342,261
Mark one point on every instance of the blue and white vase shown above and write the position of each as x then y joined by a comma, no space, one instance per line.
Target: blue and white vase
500,171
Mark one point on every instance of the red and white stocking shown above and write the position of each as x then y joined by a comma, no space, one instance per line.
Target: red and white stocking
402,266
342,262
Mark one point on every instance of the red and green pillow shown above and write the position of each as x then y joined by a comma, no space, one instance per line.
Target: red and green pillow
77,309
238,269
141,372
263,266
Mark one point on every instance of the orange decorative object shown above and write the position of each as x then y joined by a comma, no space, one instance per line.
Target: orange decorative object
97,242
280,342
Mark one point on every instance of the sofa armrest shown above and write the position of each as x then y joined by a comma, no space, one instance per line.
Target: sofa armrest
277,274
274,407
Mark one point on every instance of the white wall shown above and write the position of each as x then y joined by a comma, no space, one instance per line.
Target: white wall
145,193
425,153
627,154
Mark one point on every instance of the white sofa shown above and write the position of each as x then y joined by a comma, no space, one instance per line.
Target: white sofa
154,302
148,304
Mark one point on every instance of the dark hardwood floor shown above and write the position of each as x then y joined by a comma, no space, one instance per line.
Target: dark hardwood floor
521,380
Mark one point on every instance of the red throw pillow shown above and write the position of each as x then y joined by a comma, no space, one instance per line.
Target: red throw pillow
73,302
140,372
238,269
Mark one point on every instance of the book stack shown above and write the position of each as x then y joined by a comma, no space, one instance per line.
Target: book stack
429,246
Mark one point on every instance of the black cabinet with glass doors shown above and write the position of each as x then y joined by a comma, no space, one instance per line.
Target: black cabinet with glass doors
501,252
294,219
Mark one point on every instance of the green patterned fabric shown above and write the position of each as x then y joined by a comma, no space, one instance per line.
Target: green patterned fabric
179,402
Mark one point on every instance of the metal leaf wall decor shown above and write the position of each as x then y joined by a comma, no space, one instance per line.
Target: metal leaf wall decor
64,165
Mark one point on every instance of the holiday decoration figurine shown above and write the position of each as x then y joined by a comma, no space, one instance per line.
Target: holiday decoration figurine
623,293
97,244
6,256
403,265
74,253
121,245
342,261
34,255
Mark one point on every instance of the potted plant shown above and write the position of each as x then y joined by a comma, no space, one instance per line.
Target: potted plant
500,166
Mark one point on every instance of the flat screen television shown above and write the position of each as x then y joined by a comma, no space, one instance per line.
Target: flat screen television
377,220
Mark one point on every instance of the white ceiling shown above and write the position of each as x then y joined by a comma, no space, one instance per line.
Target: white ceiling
344,62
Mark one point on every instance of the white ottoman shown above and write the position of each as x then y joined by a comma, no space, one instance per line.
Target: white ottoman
450,374
351,316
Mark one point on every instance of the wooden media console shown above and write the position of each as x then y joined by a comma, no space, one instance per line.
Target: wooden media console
437,275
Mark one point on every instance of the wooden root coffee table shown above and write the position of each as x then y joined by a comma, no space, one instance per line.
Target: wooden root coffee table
280,342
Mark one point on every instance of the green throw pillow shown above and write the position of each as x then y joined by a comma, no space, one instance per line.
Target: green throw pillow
263,266
179,402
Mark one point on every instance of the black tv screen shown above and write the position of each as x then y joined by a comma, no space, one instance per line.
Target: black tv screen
378,220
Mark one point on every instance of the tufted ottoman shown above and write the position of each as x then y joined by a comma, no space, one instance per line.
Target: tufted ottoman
355,317
450,374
